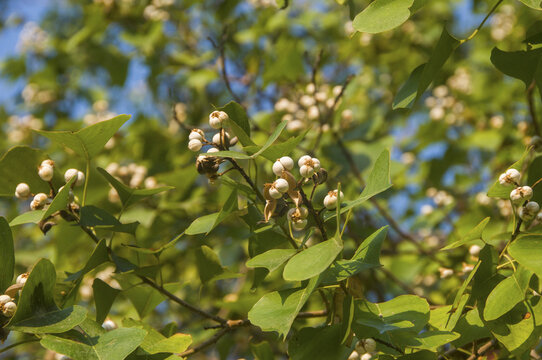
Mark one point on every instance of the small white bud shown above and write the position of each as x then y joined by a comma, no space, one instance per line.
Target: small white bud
70,173
474,250
46,172
539,216
365,346
281,185
316,164
306,101
196,134
303,160
353,356
217,119
109,325
48,162
38,201
80,178
9,309
445,272
299,224
212,150
330,201
366,356
195,145
320,96
306,171
310,89
22,191
275,193
21,279
529,211
295,214
4,299
521,194
284,163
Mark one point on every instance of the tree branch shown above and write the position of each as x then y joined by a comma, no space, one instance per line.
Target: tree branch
313,213
532,108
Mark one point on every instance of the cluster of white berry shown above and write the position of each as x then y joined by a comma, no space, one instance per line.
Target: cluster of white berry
221,140
502,23
521,195
8,307
309,106
20,127
460,81
309,167
33,95
364,350
442,105
33,38
46,172
155,11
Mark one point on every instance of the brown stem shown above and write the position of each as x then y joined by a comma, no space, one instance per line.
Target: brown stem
247,179
206,343
222,58
482,350
313,213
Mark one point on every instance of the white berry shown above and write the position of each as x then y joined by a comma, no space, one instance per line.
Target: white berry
281,185
21,279
330,201
22,191
70,173
274,193
521,194
46,172
299,224
196,134
284,163
4,299
9,309
109,325
306,171
529,211
38,201
212,150
510,177
474,250
195,145
217,119
303,160
217,138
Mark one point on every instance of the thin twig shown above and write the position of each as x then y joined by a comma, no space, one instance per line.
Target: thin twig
482,350
313,213
471,36
206,343
9,347
222,58
247,178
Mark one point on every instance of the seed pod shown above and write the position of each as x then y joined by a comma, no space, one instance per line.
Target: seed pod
320,176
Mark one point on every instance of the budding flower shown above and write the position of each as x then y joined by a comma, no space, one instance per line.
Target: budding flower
474,250
365,346
9,309
529,211
196,134
70,173
217,119
521,194
510,177
281,185
21,279
38,201
330,201
22,191
194,145
299,213
284,163
445,272
46,170
308,166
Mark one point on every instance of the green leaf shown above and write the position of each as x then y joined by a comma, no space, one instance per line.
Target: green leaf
98,257
379,181
406,312
232,154
407,94
312,261
208,264
474,234
507,294
276,151
176,343
431,340
318,343
272,259
60,201
382,15
410,92
528,252
37,294
271,139
277,311
367,256
205,224
92,216
522,65
89,141
12,159
104,296
7,264
129,196
262,351
112,345
534,4
144,298
238,123
515,330
503,191
28,217
52,322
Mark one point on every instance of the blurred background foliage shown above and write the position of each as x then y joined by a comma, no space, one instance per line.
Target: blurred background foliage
67,64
